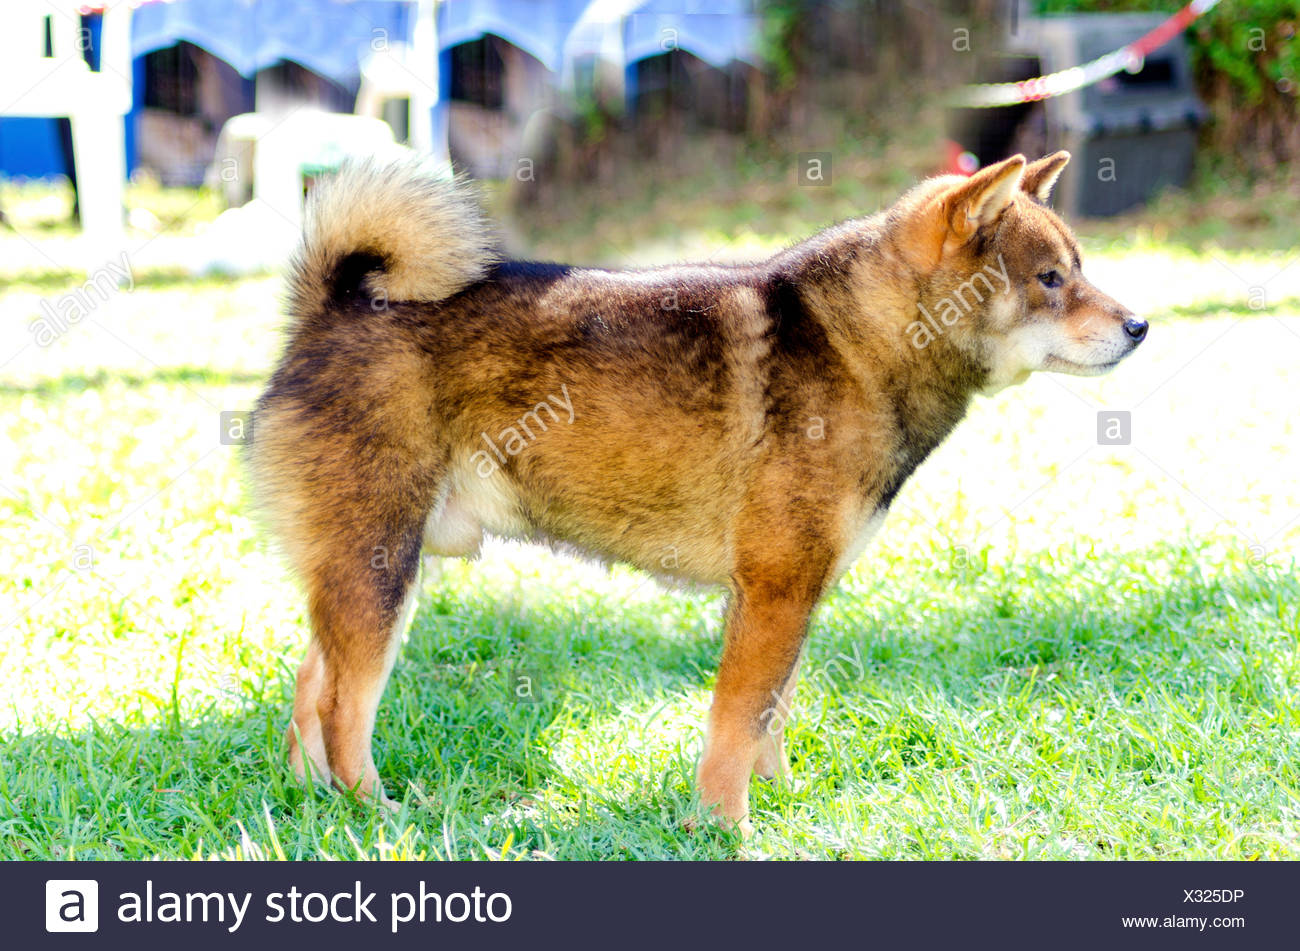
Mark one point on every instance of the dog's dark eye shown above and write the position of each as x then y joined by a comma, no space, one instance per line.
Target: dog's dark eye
1051,278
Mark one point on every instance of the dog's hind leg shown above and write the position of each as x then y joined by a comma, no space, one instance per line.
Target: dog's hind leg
349,504
357,547
306,741
359,561
360,598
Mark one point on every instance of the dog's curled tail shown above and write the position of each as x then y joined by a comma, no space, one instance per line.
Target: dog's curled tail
391,230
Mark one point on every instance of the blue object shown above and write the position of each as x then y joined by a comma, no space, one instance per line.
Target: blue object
716,31
329,38
540,28
29,147
553,31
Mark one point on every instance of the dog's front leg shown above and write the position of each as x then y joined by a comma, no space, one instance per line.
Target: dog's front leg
764,634
772,762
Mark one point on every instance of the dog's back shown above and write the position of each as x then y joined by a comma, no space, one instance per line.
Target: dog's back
616,412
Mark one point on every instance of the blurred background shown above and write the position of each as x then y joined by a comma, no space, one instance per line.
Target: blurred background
1082,613
157,117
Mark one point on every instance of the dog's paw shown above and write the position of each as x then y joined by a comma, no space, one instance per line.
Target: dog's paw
772,763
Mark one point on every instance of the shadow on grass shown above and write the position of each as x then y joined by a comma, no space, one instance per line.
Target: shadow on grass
63,280
79,382
502,710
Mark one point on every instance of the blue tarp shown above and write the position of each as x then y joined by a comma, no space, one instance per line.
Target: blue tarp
717,31
554,31
330,37
540,28
326,36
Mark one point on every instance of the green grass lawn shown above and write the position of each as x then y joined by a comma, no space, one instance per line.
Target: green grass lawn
1055,649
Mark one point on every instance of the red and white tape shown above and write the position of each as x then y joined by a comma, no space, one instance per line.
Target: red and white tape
1130,57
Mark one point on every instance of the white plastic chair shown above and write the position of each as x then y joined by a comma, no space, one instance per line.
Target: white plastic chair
62,84
288,147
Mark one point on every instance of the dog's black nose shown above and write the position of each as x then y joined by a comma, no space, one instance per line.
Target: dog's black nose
1137,329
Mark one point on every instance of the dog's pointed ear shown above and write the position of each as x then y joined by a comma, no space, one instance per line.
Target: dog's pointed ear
980,200
1041,176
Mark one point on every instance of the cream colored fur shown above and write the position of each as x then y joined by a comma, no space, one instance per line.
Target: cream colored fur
430,230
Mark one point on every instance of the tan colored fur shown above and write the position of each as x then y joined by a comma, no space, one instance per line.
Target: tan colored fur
430,230
743,426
